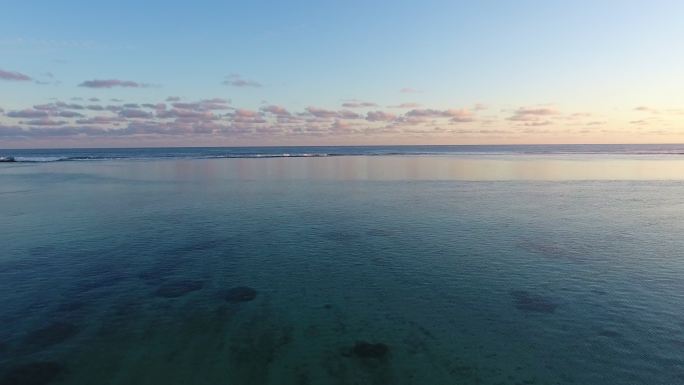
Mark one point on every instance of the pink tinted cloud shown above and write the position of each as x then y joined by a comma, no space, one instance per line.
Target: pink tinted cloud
461,116
276,110
243,113
14,76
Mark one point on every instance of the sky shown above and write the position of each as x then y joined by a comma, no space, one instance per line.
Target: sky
229,73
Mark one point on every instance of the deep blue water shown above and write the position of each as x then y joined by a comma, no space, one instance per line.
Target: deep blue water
518,269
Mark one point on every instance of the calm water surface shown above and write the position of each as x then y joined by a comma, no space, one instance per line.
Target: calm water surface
476,269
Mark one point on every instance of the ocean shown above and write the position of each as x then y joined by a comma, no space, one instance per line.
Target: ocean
343,265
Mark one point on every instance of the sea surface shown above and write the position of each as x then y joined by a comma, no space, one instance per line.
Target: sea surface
343,265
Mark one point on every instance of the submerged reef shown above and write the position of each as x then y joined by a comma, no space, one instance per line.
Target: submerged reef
34,373
530,302
52,334
239,294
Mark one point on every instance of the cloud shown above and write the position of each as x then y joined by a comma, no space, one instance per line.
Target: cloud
537,123
406,105
173,99
70,106
646,109
185,119
100,120
217,101
357,104
379,116
69,114
461,116
14,76
28,113
243,113
456,115
346,114
185,114
186,106
532,114
321,113
110,83
236,80
45,122
135,113
408,90
276,110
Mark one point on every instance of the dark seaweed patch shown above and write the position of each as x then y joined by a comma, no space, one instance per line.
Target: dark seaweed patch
363,349
34,373
178,288
239,294
52,334
529,302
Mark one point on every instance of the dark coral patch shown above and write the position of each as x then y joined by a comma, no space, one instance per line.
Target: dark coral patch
364,349
178,288
529,302
34,373
70,306
239,294
52,334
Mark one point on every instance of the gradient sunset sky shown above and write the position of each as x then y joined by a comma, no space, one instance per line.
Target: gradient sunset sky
125,73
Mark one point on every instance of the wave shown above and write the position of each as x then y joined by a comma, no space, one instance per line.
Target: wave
73,155
47,159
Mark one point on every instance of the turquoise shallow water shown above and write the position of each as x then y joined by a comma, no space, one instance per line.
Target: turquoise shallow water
483,270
